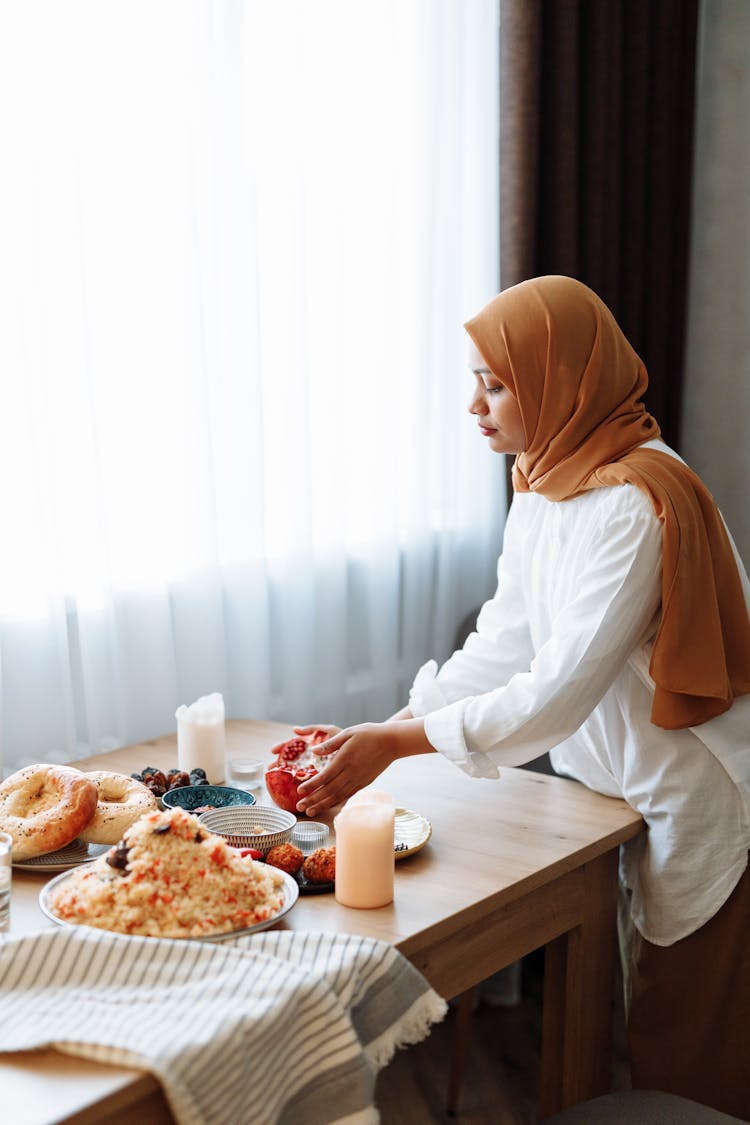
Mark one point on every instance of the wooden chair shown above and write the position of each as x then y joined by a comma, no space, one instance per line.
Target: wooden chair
641,1107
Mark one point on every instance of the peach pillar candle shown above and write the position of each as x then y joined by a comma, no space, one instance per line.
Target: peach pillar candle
200,737
364,850
370,796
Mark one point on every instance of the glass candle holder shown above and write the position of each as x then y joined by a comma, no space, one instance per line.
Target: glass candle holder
246,772
309,835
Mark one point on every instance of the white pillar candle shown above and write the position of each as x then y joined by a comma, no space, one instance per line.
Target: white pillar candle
365,858
200,737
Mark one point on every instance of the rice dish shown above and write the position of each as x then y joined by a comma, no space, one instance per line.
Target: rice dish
169,877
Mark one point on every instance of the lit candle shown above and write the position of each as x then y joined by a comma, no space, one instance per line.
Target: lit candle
364,850
200,737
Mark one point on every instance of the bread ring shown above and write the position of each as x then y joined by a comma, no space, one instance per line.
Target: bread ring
44,807
122,800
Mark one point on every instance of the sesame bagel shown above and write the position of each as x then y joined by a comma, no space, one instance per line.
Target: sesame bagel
121,800
44,807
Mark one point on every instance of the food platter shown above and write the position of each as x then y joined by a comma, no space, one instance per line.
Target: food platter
411,832
63,859
290,890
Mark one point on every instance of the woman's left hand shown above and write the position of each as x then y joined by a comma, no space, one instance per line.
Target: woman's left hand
361,755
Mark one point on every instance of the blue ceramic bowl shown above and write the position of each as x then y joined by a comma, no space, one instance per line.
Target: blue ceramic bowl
190,797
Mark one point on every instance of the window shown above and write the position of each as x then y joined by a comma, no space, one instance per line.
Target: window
241,241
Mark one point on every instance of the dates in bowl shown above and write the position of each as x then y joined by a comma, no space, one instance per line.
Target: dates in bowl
160,783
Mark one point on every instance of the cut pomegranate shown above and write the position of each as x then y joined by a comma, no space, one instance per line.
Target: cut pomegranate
295,763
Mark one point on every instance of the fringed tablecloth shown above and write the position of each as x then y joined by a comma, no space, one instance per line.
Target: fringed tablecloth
275,1028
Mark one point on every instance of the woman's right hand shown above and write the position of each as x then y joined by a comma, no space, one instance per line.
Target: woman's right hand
359,756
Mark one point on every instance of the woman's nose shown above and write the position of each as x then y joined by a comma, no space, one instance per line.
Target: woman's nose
477,405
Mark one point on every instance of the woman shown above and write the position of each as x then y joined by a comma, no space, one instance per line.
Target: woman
618,640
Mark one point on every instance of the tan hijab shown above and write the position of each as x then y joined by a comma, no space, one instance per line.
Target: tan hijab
556,346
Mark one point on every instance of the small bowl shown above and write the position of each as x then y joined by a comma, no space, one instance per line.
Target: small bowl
246,771
309,835
239,826
190,797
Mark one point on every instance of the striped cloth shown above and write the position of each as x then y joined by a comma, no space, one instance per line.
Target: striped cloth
277,1027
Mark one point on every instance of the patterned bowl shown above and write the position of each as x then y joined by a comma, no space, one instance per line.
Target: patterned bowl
190,797
261,826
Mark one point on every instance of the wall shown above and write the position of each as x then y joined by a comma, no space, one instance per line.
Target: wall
716,412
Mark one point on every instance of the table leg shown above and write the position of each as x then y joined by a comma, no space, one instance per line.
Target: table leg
579,973
460,1049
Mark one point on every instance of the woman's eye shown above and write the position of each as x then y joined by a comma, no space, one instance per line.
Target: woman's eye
495,390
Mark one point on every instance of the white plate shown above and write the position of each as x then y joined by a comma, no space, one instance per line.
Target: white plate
291,894
411,832
70,856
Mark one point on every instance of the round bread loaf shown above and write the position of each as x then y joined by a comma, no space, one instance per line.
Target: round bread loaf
121,800
44,807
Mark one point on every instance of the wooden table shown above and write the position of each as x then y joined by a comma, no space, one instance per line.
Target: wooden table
514,864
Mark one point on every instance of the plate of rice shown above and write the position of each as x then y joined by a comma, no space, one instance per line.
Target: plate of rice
169,877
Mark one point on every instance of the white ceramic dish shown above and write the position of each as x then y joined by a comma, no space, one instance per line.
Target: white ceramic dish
71,855
291,894
411,832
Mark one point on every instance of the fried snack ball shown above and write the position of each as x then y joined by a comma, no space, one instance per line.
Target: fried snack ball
285,856
320,866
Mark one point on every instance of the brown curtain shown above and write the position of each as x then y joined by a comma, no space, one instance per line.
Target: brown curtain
596,108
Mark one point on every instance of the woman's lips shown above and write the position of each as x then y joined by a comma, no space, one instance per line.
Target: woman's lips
485,431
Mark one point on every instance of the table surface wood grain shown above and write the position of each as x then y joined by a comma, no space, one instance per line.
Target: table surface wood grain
513,864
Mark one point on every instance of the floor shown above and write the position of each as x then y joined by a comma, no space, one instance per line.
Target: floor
500,1079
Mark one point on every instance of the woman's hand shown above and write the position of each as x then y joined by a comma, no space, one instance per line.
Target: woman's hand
361,755
327,727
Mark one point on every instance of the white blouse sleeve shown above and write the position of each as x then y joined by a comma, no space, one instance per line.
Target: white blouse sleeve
499,647
617,594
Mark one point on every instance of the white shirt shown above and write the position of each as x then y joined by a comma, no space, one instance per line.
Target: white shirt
559,662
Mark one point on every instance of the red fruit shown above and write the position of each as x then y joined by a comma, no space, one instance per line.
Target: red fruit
283,782
295,763
252,852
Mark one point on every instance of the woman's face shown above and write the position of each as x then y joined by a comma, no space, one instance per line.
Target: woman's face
496,408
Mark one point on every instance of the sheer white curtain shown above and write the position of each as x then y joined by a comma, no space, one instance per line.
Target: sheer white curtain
238,243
